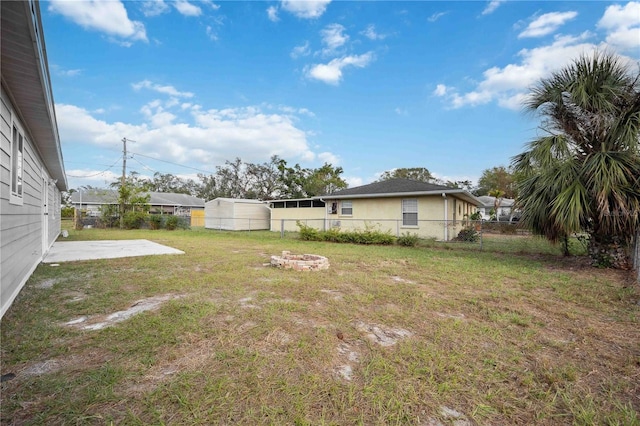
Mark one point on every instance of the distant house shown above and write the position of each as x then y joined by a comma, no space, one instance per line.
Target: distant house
396,205
91,200
32,173
506,209
234,214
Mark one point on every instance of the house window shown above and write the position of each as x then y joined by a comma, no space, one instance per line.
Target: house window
17,160
333,208
410,212
346,209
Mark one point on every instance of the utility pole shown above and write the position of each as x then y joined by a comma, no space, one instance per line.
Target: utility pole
123,182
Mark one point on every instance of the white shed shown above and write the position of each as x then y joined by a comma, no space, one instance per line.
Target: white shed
234,214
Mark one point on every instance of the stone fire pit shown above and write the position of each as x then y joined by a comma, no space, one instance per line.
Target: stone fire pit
300,262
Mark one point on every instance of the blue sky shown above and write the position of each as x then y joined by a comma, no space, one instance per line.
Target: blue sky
368,86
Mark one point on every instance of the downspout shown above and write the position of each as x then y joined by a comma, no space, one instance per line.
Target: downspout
446,215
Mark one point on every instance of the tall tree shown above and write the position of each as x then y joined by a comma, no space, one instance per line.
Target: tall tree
324,180
584,174
167,182
497,178
414,173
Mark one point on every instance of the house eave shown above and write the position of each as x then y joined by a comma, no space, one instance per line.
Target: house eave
25,77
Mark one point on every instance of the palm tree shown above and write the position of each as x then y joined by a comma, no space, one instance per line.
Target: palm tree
583,175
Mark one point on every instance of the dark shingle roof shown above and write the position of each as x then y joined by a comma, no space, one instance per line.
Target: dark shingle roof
398,188
391,186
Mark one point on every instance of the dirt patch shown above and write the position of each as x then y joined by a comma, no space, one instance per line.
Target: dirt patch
334,294
47,283
382,335
401,280
450,416
347,357
102,321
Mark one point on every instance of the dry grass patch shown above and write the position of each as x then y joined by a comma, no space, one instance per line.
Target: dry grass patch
386,335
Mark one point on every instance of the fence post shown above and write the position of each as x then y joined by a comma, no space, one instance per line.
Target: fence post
480,235
281,228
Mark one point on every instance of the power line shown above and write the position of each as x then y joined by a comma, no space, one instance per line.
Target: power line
96,174
172,163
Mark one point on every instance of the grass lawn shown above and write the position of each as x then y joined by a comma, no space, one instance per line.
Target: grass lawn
387,335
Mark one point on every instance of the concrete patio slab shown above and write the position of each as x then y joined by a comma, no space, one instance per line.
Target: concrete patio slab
68,251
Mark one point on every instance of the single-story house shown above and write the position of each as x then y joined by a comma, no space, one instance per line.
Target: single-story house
32,174
235,214
396,205
91,200
505,212
286,213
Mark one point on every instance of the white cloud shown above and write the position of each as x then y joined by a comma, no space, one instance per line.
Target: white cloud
547,24
331,73
401,111
436,16
154,7
211,33
617,16
272,13
207,138
302,50
622,25
508,85
106,16
66,73
167,90
329,157
186,8
306,9
492,6
353,181
371,34
333,37
441,90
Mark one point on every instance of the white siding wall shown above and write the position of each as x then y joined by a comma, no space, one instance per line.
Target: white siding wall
251,216
235,215
218,214
21,226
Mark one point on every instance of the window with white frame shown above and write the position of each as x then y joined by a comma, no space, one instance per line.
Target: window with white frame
346,208
410,212
17,159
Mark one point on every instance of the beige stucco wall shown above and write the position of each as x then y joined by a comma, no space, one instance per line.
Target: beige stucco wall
385,214
287,217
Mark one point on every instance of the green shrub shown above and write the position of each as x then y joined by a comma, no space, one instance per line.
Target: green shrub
155,221
172,223
334,235
134,220
468,234
408,240
308,233
184,223
67,212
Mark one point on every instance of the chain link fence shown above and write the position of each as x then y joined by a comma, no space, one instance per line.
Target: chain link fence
498,236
